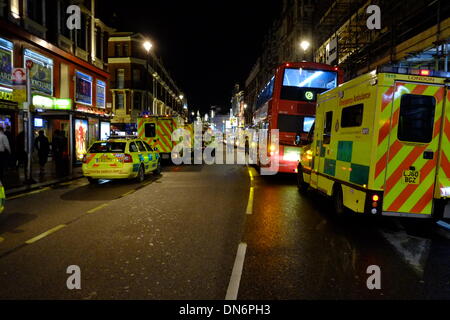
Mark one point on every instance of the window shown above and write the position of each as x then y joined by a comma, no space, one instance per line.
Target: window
327,127
118,50
35,11
133,147
305,85
266,94
293,123
352,116
136,75
107,147
120,78
416,120
148,147
137,101
126,50
120,101
141,146
150,130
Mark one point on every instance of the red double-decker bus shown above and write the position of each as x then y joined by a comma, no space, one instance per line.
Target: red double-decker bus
288,103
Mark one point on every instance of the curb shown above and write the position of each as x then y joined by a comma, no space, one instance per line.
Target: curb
27,188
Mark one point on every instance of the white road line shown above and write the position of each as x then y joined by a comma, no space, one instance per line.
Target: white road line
443,224
235,280
45,234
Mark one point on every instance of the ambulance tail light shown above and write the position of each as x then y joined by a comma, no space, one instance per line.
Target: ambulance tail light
84,159
375,205
128,158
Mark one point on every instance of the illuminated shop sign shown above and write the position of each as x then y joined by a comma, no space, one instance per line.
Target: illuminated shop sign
6,94
6,51
83,88
43,102
101,93
41,73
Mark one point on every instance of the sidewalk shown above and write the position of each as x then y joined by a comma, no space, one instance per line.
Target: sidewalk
14,179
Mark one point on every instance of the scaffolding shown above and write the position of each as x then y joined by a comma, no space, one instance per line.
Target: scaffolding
360,49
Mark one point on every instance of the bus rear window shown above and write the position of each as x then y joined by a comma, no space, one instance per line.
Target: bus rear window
108,147
294,123
416,120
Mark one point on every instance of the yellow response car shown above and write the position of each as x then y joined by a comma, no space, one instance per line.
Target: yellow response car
2,198
120,158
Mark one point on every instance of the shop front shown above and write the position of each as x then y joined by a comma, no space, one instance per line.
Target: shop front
90,125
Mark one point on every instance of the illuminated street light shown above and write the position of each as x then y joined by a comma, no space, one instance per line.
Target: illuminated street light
305,45
181,97
148,46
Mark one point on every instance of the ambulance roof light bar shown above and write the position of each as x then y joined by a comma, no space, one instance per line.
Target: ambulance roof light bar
412,71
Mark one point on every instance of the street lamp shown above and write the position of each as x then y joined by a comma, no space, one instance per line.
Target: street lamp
148,46
305,45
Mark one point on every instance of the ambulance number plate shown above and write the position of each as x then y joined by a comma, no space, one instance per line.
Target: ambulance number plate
411,177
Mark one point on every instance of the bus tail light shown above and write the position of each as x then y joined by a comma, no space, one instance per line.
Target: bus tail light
128,158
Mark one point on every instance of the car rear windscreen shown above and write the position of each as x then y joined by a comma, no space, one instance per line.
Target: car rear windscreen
108,147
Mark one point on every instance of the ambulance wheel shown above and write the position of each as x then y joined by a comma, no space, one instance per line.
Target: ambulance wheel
301,184
92,180
157,171
338,202
141,174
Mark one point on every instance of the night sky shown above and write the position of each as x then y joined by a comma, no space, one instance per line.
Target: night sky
207,46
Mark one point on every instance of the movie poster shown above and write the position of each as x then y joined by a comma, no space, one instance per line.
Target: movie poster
83,91
81,138
105,130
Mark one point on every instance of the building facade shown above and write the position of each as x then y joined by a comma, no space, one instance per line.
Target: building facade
139,83
414,35
68,71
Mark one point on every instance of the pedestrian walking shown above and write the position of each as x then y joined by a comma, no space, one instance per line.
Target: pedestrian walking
43,147
5,150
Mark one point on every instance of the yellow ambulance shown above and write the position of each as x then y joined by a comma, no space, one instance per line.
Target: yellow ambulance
120,158
381,144
157,132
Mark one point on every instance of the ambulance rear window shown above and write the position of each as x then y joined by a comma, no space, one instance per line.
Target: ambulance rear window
150,130
416,121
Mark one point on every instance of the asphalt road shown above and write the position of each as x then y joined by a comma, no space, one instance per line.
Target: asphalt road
199,232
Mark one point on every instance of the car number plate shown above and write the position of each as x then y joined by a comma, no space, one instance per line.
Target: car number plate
411,177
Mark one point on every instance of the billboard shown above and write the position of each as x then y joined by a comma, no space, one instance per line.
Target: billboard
41,73
6,48
101,93
83,88
81,138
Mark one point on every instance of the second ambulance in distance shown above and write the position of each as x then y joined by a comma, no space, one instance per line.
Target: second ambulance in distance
381,145
120,158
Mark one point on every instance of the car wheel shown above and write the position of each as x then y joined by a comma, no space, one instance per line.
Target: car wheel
141,174
301,184
158,169
92,180
338,202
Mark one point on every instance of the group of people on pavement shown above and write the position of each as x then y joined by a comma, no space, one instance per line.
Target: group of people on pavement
14,156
